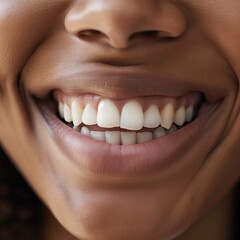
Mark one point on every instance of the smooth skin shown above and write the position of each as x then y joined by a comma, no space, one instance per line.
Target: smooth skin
197,39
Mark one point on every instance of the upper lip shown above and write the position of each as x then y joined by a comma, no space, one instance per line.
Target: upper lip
114,82
145,70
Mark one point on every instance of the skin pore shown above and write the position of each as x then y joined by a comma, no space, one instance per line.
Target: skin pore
92,47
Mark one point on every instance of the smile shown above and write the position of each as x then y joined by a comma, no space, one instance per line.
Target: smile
126,122
123,137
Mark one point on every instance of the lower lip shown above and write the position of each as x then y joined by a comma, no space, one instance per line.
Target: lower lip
127,160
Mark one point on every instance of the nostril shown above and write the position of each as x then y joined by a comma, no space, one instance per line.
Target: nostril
151,34
90,34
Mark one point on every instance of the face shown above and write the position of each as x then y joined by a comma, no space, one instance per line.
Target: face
121,114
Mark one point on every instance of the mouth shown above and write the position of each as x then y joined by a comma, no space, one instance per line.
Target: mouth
125,137
126,121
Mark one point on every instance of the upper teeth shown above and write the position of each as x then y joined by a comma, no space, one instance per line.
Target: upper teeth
131,116
108,115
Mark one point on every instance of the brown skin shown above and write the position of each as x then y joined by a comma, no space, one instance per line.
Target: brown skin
40,38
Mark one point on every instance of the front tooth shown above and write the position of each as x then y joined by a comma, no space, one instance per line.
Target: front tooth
108,115
180,115
167,115
85,131
189,114
152,117
159,132
132,116
76,113
67,113
89,116
100,136
144,137
61,109
113,137
128,138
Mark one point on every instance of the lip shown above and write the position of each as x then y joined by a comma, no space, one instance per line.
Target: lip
126,160
116,82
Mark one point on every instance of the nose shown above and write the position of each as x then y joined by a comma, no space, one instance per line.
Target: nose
121,23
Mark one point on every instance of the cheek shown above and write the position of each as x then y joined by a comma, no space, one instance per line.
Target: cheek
25,24
220,21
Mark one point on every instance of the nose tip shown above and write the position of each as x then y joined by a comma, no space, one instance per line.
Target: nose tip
120,23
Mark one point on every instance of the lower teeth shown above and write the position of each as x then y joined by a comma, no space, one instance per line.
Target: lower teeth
126,137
